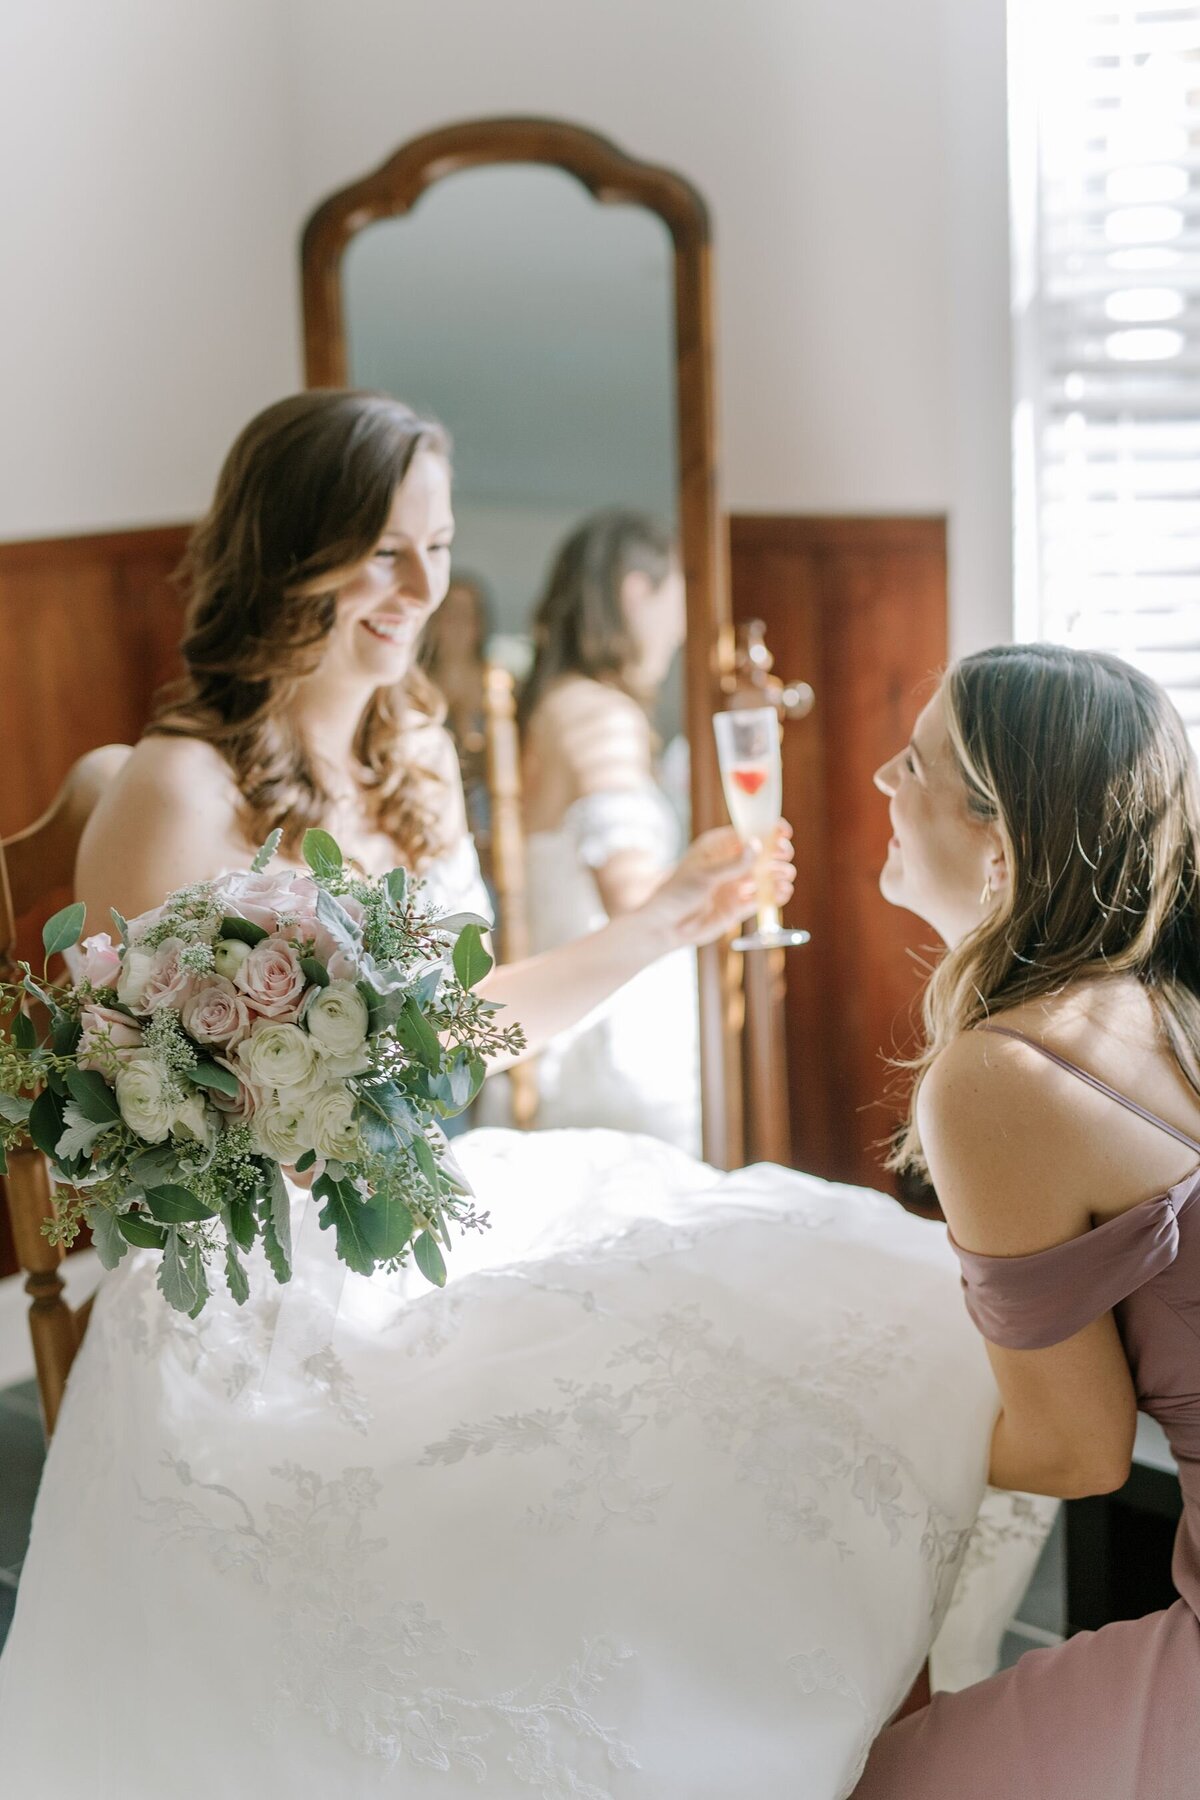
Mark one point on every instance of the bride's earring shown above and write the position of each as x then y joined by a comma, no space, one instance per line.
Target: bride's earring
985,893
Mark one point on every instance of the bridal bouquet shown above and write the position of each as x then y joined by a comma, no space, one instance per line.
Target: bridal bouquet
260,1022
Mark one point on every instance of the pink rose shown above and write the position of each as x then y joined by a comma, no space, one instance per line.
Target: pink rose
101,963
238,1107
107,1040
169,983
272,980
262,898
216,1013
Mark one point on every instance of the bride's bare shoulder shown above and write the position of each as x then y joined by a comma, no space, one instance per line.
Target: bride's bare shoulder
170,817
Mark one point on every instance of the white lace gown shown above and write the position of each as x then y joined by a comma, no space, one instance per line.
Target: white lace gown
661,1497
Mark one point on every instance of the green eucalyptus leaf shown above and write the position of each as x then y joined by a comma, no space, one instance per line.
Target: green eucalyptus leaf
387,1225
212,1075
314,971
429,1259
417,1035
93,1096
266,851
322,854
305,1162
427,1164
23,1034
245,930
175,1205
63,930
471,960
14,1108
46,1121
65,1033
142,1232
396,884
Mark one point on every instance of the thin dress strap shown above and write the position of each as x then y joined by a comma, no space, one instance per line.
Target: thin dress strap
1095,1081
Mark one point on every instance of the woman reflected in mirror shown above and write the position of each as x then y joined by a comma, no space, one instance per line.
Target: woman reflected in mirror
601,833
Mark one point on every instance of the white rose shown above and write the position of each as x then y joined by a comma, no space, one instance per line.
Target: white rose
331,1119
228,956
143,1097
277,1055
283,1129
193,1120
135,973
337,1018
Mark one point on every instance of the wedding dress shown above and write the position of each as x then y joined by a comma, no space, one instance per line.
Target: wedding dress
634,1062
663,1495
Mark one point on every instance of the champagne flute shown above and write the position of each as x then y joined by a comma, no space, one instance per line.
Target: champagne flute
751,764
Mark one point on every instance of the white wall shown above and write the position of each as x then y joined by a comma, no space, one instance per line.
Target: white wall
148,302
852,152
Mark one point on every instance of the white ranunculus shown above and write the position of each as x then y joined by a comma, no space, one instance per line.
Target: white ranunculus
337,1019
143,1095
135,973
228,956
278,1055
193,1119
331,1118
283,1128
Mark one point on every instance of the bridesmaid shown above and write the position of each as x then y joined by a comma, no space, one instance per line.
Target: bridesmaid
1046,819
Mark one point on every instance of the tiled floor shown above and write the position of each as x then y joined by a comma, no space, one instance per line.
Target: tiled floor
21,1453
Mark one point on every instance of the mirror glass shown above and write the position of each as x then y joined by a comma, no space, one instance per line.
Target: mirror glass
538,325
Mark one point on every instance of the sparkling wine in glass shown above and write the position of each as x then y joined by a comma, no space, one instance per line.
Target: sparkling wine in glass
752,775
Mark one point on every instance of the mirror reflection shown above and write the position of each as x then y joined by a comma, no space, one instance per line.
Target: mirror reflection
537,325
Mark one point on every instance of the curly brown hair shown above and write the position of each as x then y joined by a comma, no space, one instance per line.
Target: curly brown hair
301,502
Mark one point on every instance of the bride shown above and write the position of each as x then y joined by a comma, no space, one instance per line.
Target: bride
663,1495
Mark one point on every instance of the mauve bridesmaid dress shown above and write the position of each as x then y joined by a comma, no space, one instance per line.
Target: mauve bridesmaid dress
1111,1714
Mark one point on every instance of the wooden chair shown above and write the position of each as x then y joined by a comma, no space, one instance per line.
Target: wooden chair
508,855
34,865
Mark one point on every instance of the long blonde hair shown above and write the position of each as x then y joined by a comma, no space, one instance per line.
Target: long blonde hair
1084,766
301,501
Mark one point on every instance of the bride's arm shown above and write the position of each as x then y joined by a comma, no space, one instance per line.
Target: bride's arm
712,890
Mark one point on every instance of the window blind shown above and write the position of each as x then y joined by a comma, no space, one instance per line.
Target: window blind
1105,161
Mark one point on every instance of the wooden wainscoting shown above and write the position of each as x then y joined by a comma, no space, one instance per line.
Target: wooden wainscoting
857,607
89,629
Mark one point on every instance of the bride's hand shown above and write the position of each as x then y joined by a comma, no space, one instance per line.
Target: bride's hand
719,881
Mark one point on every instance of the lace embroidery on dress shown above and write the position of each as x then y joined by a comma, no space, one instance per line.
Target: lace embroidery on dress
378,1674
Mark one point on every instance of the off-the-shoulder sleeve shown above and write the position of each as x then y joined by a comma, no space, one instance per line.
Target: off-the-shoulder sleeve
601,825
1031,1302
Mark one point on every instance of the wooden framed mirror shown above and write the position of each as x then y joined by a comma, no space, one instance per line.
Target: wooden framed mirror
438,302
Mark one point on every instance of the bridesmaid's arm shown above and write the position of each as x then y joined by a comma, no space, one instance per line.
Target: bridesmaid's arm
994,1141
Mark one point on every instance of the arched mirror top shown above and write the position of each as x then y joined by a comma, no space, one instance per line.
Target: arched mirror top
610,175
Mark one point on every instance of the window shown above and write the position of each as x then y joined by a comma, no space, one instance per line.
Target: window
1105,184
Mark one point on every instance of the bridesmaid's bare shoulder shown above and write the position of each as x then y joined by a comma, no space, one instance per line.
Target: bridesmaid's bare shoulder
170,817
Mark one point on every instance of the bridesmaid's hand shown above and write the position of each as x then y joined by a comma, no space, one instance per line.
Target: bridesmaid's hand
719,881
